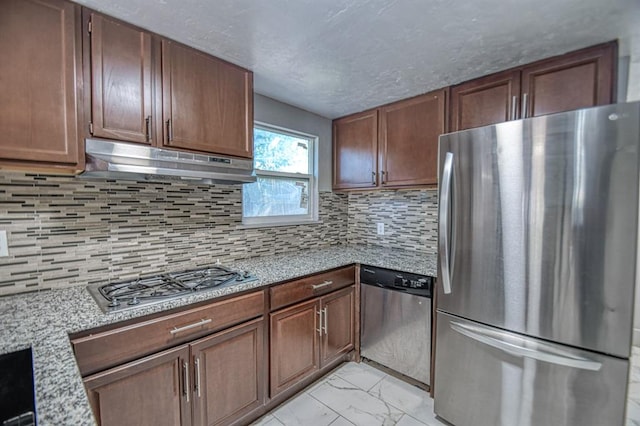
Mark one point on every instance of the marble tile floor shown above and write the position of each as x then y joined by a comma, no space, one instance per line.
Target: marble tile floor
356,394
361,395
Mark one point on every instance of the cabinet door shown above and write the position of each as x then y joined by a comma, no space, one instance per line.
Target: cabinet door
294,344
409,132
121,81
355,147
229,374
487,100
151,391
207,103
338,315
578,80
40,47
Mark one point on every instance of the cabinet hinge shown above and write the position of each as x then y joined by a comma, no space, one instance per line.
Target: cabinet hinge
90,26
91,128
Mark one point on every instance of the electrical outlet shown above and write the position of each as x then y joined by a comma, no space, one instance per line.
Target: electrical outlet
4,245
380,228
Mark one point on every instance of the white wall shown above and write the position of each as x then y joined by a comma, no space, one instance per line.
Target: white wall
270,111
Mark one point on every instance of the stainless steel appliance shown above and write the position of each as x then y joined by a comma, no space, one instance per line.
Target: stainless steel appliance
396,320
538,228
117,160
113,297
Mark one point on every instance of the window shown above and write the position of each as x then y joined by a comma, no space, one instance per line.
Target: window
286,191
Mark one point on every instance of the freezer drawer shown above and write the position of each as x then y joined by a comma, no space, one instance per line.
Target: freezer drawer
396,331
487,377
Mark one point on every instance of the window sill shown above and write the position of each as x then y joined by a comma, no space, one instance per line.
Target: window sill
279,224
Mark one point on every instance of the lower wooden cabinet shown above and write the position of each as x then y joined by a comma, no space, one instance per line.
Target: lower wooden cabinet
338,337
221,378
295,336
151,391
212,381
308,336
229,374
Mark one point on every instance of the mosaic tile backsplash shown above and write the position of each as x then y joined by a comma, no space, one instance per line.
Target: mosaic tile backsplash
66,231
410,219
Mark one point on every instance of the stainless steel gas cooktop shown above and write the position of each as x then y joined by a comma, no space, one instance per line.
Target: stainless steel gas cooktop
143,291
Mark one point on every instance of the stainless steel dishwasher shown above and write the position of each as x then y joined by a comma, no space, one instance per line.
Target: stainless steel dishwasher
396,320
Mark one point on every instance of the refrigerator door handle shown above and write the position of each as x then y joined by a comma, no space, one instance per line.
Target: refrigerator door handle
538,351
443,218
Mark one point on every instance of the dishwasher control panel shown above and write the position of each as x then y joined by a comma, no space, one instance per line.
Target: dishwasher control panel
421,285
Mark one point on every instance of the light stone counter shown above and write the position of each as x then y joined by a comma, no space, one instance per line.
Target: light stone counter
44,320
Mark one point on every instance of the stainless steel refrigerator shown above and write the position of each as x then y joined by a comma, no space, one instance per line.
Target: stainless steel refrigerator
538,231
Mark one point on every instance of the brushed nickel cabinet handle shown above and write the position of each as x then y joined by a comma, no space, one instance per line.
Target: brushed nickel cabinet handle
197,363
147,124
324,284
524,105
324,314
169,130
382,182
185,379
319,329
373,178
514,101
203,321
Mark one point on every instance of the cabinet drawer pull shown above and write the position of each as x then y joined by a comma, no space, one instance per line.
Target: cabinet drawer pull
382,182
514,101
324,284
185,380
190,326
524,106
373,178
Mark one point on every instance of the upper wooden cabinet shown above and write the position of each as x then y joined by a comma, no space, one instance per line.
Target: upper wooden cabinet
408,138
577,80
40,82
207,103
122,81
355,151
580,79
165,94
487,100
393,146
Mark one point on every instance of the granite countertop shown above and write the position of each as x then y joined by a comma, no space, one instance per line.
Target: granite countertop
44,320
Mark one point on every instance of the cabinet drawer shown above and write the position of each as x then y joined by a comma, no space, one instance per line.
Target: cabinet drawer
106,349
316,285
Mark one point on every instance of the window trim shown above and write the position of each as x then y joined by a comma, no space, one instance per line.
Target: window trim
282,220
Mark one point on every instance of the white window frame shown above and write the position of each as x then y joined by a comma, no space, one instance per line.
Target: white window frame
282,220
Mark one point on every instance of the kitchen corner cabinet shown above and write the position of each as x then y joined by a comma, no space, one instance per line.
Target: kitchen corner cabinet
580,79
122,80
40,43
308,336
207,103
393,146
151,391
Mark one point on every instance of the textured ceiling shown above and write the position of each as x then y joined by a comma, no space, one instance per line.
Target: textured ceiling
335,57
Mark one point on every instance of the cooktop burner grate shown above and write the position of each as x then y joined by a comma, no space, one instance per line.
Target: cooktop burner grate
147,290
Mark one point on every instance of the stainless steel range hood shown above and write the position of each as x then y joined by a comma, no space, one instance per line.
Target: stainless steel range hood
118,160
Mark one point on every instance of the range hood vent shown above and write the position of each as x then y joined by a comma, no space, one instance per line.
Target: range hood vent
118,160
